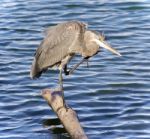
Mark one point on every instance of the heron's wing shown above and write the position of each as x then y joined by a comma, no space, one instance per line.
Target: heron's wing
60,40
71,31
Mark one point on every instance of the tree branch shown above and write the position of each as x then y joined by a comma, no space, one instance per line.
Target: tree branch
68,117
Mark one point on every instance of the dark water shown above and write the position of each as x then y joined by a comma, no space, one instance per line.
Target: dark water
111,97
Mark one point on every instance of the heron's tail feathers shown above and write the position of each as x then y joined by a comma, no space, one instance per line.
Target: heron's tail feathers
35,71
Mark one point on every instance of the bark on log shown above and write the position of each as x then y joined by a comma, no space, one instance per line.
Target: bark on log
68,117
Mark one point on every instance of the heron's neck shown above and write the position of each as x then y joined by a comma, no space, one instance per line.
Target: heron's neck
90,48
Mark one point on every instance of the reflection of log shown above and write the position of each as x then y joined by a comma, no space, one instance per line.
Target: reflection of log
67,117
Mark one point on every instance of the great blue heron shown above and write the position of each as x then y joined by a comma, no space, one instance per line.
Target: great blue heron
61,43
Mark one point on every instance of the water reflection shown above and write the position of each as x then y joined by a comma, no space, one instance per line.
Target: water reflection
56,128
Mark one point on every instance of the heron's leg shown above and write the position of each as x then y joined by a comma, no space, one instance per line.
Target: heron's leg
61,80
61,87
75,67
65,70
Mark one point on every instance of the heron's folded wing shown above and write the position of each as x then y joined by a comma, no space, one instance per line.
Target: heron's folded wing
59,41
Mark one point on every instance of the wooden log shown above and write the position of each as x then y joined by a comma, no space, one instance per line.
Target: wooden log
68,117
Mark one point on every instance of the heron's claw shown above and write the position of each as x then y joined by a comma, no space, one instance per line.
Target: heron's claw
63,98
66,72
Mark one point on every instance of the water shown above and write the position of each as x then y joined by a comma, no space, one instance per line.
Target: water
111,97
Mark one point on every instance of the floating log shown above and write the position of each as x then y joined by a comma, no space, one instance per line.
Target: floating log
68,117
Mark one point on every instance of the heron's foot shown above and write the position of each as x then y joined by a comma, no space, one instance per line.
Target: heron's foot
66,72
65,106
63,98
64,103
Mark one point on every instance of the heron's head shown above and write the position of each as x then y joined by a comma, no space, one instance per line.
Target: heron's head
101,42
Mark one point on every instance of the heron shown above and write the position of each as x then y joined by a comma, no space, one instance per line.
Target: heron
61,43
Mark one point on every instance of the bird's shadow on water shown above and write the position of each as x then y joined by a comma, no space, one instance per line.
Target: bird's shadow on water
55,127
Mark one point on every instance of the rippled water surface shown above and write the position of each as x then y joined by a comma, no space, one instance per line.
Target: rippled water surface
111,97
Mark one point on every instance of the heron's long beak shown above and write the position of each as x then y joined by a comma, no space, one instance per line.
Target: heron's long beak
106,46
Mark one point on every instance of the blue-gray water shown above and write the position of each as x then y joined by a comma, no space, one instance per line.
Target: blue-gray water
111,97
